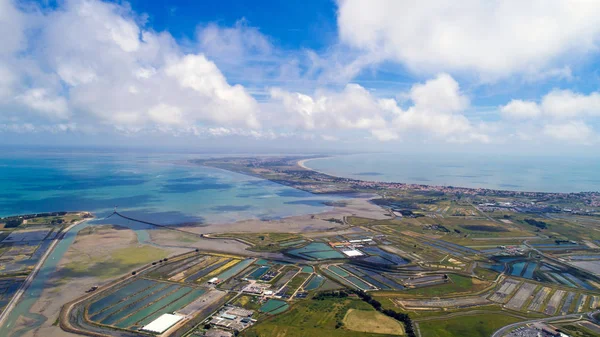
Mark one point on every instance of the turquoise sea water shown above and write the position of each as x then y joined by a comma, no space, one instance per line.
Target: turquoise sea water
518,173
160,188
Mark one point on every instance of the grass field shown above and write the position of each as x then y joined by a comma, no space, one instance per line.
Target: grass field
248,302
296,282
577,331
312,318
120,261
473,326
372,321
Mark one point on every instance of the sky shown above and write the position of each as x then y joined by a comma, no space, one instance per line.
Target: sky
346,75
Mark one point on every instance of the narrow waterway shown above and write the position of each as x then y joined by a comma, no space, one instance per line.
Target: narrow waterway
46,272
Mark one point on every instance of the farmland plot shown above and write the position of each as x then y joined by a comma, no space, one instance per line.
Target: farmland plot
521,296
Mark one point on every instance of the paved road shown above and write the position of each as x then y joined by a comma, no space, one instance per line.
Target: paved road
508,328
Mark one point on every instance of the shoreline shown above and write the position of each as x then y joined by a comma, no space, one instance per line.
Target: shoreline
302,163
17,297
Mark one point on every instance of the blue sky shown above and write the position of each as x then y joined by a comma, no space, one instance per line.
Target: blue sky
289,24
308,75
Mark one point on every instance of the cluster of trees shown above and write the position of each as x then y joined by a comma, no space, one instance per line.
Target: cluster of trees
330,294
402,317
536,223
13,223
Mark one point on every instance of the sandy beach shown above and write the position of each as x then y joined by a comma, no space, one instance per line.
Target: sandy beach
302,163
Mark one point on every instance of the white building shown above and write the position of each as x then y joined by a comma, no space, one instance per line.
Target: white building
163,323
352,253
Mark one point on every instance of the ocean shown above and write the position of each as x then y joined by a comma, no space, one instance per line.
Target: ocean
494,171
161,188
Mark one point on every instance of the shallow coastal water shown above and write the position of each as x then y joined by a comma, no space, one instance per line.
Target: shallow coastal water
159,188
501,172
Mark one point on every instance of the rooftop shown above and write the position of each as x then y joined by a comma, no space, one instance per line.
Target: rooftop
162,323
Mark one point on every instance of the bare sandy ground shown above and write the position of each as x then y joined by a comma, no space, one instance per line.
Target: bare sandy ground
360,207
92,247
168,238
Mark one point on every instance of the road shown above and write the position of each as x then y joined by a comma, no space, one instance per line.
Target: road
508,328
13,302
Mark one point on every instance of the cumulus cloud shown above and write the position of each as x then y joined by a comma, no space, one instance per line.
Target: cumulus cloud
572,131
352,108
112,70
557,104
519,109
39,99
568,104
233,44
435,112
561,115
494,39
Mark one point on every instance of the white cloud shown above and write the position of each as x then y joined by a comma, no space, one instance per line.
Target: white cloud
39,99
223,102
557,104
519,109
351,108
562,115
436,111
93,61
233,44
568,104
492,38
384,135
112,72
12,28
166,114
572,131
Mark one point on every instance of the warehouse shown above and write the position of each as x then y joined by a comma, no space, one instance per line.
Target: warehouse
162,323
352,253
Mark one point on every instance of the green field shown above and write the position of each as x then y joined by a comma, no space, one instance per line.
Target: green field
120,262
312,318
296,282
473,326
247,302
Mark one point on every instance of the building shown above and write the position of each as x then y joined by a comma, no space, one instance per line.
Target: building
228,316
352,252
163,323
361,240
